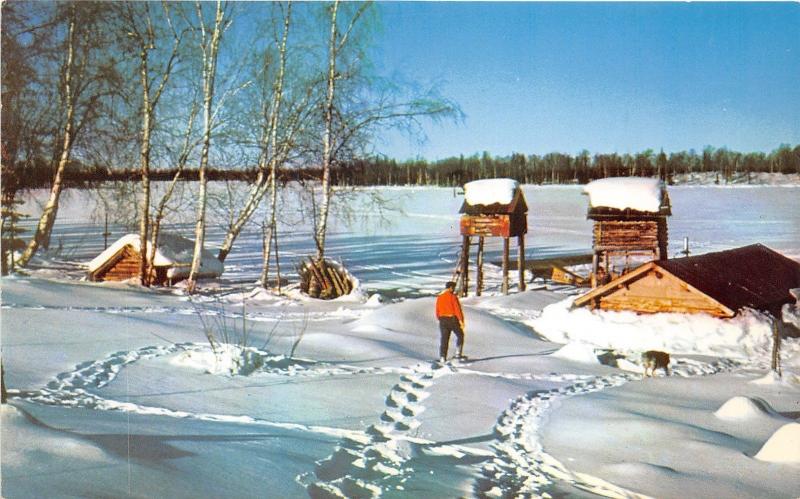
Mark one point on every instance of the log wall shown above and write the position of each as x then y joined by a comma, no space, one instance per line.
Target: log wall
124,266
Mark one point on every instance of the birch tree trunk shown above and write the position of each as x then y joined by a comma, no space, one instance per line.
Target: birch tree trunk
273,154
158,216
327,146
273,174
44,228
146,40
210,50
144,156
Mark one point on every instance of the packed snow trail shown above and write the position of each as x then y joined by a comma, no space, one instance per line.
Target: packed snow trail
368,468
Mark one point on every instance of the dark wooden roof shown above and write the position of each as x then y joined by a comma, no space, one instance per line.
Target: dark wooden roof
752,276
517,205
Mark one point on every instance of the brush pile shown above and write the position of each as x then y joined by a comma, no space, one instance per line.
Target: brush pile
325,280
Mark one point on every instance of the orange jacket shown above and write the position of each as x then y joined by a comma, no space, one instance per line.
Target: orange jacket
447,305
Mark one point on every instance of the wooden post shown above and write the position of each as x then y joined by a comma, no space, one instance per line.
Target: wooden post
505,266
106,233
521,260
465,266
479,278
595,268
4,393
776,346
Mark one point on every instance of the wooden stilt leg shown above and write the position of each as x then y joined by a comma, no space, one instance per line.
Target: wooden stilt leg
521,261
465,266
595,268
505,266
479,274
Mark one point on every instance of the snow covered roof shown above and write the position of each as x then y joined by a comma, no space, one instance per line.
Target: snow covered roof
173,251
496,196
622,193
490,191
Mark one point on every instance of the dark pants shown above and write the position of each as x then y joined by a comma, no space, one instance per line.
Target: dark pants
449,325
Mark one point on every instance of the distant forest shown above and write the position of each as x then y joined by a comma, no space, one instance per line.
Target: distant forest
552,168
559,168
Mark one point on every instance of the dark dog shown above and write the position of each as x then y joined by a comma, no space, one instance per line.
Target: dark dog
653,359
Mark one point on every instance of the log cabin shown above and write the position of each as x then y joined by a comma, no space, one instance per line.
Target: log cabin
630,223
173,259
719,284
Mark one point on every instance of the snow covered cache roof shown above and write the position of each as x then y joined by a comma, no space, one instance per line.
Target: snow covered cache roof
622,193
490,191
173,251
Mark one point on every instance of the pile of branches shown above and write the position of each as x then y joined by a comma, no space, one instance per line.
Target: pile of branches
325,280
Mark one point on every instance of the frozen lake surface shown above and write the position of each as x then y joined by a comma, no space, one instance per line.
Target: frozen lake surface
411,243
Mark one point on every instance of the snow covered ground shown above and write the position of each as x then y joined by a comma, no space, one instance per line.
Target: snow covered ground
116,391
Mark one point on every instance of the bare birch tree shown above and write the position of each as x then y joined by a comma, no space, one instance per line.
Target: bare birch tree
148,35
187,146
85,79
210,36
277,136
357,104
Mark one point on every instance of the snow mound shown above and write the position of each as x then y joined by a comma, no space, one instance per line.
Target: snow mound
375,300
747,336
227,359
745,409
490,191
783,446
642,194
577,352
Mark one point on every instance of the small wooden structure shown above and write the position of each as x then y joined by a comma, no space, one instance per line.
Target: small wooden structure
173,260
630,221
718,283
492,208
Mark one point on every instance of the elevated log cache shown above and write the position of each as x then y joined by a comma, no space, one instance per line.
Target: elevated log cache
630,223
492,208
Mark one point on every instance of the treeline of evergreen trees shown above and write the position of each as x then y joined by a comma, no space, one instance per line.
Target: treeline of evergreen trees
559,168
552,168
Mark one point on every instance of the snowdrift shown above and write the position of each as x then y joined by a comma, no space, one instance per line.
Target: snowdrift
745,409
783,446
746,336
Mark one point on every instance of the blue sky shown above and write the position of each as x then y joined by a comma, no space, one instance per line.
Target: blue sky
607,77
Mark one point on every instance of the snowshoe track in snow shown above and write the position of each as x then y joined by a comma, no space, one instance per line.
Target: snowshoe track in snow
521,467
368,468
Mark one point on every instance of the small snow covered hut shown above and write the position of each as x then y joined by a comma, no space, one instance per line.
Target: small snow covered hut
719,284
495,208
172,262
630,220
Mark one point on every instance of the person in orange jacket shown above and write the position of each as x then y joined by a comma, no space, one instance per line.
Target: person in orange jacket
451,319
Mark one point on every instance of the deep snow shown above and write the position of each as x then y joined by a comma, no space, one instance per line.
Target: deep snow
116,392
